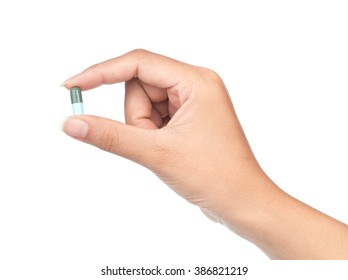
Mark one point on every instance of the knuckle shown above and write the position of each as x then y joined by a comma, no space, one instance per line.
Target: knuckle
140,52
209,75
109,141
211,83
93,68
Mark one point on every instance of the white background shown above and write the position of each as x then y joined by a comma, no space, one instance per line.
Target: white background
68,209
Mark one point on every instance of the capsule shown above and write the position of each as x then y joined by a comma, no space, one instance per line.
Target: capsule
76,100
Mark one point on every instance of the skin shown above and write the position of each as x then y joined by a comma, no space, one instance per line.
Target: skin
181,124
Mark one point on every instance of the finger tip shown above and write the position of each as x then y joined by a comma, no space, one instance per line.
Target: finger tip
69,82
74,127
62,124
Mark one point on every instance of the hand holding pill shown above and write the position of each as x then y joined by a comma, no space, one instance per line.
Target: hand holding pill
181,124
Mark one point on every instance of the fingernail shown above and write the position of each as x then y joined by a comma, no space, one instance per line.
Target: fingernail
75,128
68,80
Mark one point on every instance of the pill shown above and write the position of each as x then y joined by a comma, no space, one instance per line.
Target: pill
76,100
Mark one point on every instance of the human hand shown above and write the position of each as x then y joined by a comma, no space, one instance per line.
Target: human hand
180,123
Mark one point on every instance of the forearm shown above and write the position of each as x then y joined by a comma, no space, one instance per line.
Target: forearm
285,228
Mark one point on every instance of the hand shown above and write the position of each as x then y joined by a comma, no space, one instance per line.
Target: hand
180,123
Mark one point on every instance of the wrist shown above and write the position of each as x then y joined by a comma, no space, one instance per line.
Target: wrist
247,210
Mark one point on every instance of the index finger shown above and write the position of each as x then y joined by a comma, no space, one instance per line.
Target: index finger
153,69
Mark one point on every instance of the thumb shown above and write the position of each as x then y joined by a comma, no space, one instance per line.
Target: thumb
134,143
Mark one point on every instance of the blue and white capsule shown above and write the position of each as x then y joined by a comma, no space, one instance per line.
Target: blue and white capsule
76,101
